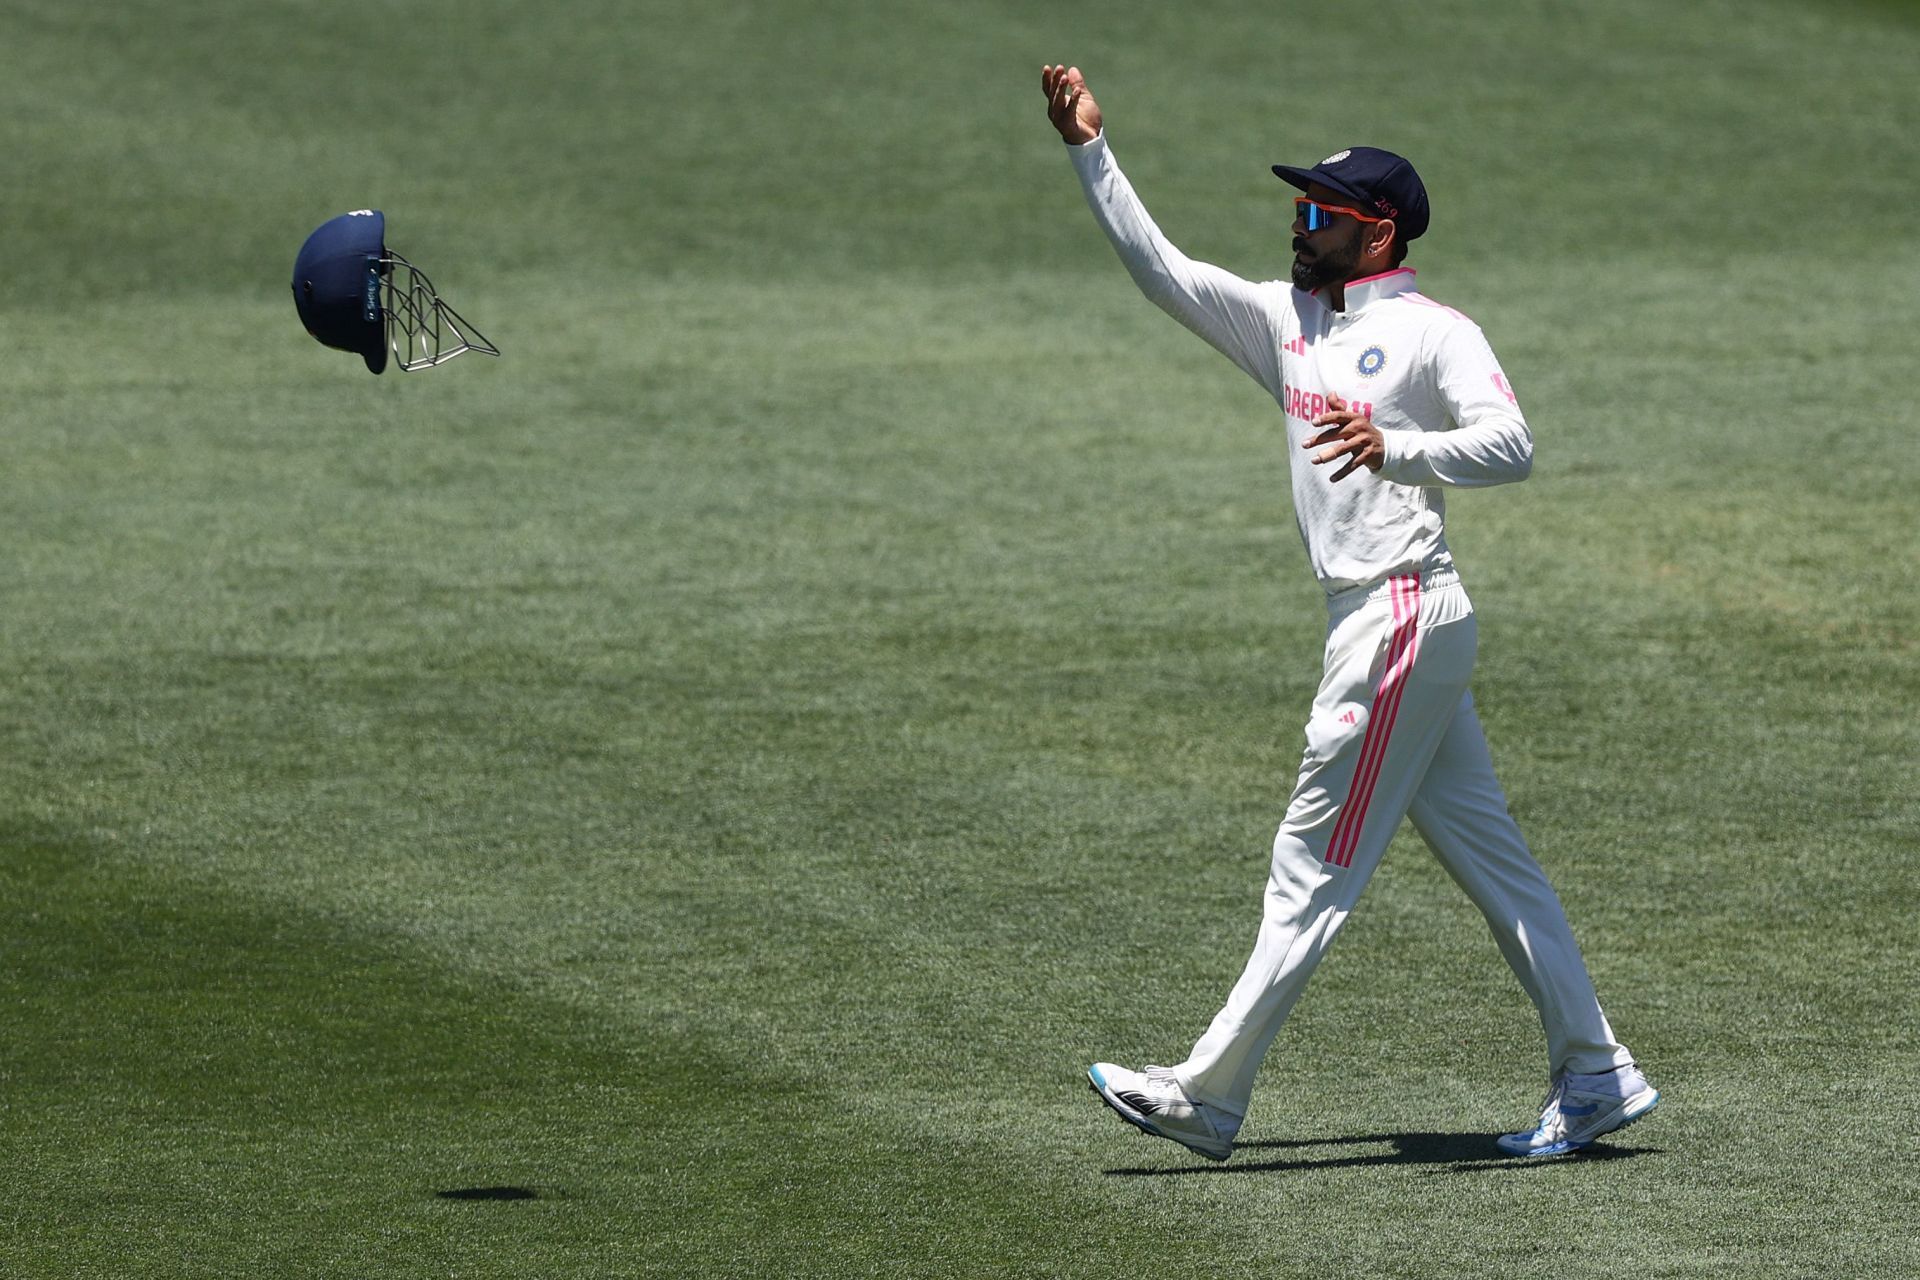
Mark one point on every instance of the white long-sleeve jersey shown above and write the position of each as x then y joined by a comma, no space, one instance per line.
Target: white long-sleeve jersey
1422,371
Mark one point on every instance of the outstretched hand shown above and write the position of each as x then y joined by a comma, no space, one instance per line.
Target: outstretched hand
1348,435
1069,105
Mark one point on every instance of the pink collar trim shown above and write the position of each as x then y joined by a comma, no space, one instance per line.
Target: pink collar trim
1367,288
1384,275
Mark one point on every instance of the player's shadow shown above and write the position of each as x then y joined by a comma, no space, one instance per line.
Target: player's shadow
1444,1152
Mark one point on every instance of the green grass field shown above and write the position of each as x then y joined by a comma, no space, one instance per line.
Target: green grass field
704,785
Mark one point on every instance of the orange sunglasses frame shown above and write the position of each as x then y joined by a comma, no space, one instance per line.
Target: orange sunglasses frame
1299,209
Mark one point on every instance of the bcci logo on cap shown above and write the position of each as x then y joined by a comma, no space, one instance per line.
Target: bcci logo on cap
1372,361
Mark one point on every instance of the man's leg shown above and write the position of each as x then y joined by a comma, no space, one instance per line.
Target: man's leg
1395,671
1461,813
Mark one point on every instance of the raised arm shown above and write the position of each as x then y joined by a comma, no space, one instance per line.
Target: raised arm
1071,108
1229,312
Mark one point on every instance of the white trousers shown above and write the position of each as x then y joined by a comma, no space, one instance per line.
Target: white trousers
1392,734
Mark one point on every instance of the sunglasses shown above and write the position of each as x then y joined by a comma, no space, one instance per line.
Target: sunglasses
1316,215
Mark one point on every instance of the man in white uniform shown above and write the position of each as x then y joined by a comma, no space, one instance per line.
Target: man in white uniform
1389,398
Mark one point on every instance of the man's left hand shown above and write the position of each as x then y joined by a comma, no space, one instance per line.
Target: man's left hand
1348,435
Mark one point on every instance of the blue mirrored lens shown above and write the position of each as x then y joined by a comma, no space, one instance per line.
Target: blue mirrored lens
1313,215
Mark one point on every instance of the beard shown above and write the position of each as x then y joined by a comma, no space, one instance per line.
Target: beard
1337,263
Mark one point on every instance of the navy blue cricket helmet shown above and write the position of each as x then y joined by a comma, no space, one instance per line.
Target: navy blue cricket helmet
355,294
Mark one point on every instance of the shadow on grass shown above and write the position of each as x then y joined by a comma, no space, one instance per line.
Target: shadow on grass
489,1193
1446,1152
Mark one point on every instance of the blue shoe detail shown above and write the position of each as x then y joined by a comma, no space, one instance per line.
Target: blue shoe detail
1569,1146
1158,1107
1097,1081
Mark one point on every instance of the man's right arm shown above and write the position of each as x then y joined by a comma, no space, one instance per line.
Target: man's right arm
1227,311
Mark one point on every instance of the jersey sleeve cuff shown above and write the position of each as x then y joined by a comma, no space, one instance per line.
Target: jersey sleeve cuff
1398,448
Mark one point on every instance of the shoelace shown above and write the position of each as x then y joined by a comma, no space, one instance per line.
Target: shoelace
1550,1105
1198,1113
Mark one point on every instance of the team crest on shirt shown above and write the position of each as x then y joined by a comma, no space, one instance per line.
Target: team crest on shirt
1372,361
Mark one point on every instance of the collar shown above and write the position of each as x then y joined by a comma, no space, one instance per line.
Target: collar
1368,290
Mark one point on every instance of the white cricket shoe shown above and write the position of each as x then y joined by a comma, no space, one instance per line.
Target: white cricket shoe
1154,1101
1580,1108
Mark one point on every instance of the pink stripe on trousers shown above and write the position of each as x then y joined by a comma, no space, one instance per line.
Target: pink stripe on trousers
1401,652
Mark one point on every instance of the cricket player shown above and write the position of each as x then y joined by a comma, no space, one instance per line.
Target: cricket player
1389,399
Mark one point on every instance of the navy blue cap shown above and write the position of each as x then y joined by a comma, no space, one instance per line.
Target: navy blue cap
336,285
1375,180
